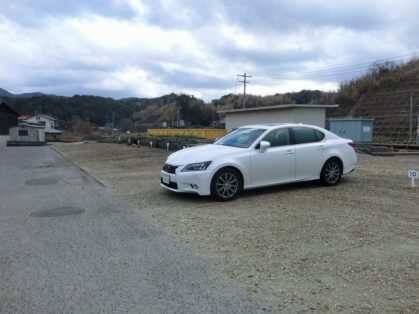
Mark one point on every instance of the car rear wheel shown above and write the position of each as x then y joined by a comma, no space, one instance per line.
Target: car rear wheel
226,184
331,172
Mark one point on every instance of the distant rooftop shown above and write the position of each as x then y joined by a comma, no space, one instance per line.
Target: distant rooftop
277,107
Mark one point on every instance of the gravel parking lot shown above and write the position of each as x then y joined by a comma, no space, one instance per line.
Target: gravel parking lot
352,248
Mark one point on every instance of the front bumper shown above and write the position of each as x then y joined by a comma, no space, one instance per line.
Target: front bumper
188,182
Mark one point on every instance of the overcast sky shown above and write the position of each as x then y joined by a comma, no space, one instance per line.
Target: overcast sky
147,48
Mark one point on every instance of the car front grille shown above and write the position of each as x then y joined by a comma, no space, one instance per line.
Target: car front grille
169,168
172,185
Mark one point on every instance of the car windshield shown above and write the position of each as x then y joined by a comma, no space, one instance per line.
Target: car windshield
242,138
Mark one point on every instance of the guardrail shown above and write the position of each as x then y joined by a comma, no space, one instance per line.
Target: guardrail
210,134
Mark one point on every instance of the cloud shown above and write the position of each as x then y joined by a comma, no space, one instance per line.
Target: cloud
123,48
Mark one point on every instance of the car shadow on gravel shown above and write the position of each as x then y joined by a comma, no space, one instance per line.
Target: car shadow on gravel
253,193
290,187
188,197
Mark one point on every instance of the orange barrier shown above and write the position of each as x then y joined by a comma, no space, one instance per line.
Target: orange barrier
210,134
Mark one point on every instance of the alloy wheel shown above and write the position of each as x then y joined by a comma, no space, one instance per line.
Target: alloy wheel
332,172
227,185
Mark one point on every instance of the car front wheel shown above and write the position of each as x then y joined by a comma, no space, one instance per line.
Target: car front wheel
226,184
331,172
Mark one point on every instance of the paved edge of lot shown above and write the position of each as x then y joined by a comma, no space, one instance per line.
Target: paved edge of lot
68,246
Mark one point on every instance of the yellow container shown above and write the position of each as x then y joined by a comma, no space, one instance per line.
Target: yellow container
210,134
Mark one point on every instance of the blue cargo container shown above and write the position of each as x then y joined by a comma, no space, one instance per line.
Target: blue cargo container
357,129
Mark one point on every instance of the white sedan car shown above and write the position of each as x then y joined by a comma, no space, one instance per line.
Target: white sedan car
256,156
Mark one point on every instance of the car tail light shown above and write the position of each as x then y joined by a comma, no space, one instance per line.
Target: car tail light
352,144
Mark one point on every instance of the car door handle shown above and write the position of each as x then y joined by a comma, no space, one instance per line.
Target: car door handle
322,147
289,152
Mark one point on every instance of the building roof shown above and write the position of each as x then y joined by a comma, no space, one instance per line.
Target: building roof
20,126
24,117
46,116
53,131
29,116
278,107
351,119
6,108
269,126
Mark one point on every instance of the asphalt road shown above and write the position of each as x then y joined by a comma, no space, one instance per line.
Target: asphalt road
68,246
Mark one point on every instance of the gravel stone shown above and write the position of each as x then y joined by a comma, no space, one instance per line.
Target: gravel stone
351,248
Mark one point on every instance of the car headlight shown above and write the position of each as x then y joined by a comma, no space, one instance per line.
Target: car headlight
199,166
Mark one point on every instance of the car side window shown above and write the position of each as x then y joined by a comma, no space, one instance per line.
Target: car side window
304,135
278,137
320,135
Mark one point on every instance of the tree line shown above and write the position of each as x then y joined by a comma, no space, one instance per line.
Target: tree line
142,113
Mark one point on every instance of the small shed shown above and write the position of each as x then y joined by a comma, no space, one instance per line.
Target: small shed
8,118
293,113
357,129
26,135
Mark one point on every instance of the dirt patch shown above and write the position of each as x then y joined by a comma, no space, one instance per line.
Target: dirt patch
303,247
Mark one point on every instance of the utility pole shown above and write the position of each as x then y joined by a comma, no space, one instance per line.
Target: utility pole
113,121
417,132
411,115
178,115
245,81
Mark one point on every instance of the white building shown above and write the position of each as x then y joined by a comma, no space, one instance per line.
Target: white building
307,114
26,135
45,120
49,123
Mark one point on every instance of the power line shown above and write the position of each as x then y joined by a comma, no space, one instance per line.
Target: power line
359,61
358,70
339,69
235,89
226,86
360,66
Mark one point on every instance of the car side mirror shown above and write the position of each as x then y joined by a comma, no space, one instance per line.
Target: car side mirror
264,146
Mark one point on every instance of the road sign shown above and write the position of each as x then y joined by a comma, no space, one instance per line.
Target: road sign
413,175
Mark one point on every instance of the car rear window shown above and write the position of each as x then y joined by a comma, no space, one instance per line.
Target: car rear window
320,135
304,135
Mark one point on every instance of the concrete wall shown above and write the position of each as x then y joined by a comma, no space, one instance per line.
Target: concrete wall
3,140
34,134
313,116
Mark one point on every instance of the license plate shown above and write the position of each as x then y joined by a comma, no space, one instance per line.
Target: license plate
166,178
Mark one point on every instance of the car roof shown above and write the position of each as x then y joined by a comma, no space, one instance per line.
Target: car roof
269,126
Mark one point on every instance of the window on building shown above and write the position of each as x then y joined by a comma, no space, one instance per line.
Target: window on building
23,133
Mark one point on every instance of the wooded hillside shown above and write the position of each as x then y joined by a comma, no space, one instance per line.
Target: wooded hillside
130,113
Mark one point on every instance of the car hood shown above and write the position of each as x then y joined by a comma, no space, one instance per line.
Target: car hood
200,154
